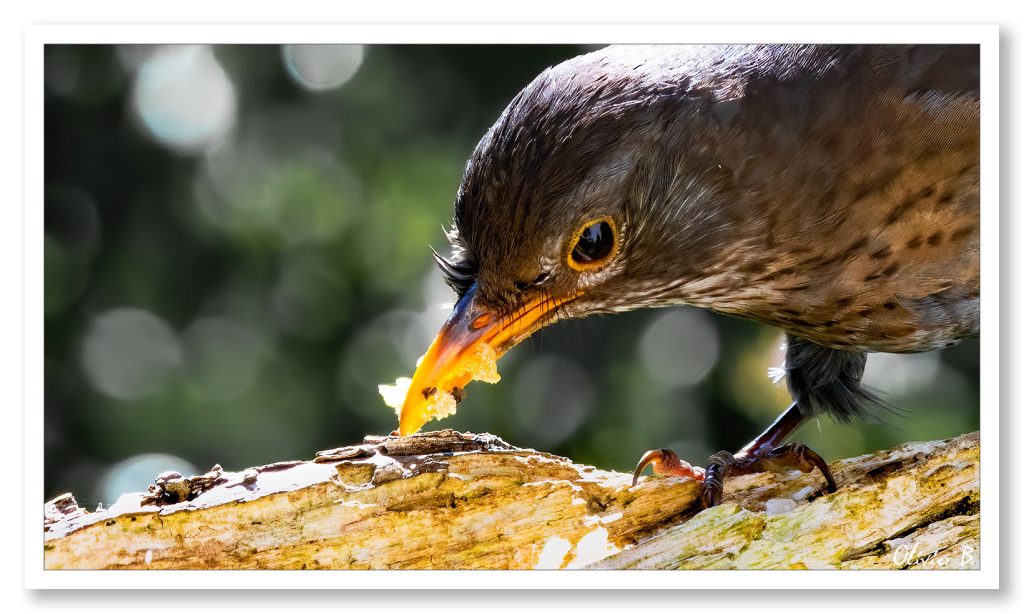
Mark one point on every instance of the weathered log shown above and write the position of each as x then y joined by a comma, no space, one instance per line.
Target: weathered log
455,500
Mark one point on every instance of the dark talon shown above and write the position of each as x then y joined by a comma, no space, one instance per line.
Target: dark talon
757,459
799,456
762,454
715,472
765,454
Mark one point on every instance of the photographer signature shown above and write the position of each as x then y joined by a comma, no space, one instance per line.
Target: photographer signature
913,555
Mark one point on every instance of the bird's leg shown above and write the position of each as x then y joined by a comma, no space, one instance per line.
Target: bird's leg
764,453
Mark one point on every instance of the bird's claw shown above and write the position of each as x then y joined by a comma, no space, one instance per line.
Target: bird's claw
780,458
666,462
798,456
715,472
723,464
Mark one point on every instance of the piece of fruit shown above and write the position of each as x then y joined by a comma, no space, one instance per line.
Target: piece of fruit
441,402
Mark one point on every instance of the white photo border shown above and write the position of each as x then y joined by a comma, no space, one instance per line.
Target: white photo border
36,37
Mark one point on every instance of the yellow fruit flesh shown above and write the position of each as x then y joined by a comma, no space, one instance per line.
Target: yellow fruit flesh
480,364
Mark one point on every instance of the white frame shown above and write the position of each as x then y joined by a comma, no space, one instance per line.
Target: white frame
38,36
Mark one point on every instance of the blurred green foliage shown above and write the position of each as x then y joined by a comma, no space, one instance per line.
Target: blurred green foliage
240,304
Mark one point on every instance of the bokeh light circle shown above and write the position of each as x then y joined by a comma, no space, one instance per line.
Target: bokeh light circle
901,374
129,353
183,98
553,397
680,347
321,67
377,354
222,358
278,182
135,474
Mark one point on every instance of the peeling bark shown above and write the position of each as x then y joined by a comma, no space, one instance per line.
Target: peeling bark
463,501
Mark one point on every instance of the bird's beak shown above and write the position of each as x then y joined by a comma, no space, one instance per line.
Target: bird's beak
472,330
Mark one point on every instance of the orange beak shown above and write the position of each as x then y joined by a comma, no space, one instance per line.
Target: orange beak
468,328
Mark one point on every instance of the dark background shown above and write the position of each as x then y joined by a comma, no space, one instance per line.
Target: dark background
237,254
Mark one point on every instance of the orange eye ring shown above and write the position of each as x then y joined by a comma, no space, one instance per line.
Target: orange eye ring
592,230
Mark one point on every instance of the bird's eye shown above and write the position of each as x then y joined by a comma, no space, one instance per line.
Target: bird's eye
594,245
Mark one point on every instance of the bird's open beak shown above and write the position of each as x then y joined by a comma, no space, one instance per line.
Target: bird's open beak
448,363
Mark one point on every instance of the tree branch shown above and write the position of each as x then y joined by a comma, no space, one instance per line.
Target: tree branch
455,500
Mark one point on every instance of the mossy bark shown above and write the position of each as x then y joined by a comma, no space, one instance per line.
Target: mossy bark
462,501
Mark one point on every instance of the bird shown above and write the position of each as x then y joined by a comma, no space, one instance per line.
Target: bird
831,191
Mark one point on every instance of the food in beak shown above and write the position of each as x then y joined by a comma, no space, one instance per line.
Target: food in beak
466,348
440,401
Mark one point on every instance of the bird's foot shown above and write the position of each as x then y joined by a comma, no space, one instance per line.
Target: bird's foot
777,459
764,453
781,458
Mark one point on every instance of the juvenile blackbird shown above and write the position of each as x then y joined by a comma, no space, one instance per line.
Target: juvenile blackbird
831,191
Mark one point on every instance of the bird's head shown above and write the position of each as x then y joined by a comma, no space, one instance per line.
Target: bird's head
573,203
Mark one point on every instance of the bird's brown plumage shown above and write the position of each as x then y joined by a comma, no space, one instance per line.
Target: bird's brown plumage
831,191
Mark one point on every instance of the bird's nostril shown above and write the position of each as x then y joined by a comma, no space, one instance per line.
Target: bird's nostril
522,285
